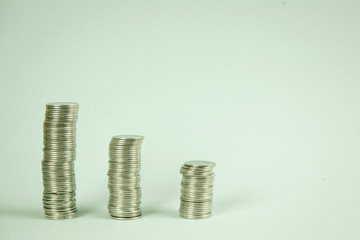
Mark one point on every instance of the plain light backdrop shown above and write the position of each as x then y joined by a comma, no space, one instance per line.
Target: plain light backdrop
269,90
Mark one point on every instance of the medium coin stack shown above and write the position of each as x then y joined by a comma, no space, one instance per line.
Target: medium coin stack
58,163
124,177
196,189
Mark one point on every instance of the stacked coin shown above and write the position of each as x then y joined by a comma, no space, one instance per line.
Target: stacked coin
124,177
197,189
58,163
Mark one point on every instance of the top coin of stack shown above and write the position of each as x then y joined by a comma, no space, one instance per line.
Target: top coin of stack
57,165
197,189
124,177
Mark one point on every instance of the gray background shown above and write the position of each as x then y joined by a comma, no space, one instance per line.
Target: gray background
269,90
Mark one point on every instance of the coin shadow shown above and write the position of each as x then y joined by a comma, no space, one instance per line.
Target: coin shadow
96,207
155,211
230,203
22,213
91,212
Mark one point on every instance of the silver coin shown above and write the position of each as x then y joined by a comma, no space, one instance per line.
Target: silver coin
124,177
196,189
59,139
200,164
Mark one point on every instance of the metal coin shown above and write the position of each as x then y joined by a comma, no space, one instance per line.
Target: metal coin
196,189
124,177
59,139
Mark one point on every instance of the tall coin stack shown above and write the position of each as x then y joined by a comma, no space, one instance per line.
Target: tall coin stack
124,177
197,189
58,163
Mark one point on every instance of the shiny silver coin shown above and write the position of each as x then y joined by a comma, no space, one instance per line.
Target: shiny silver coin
62,105
60,215
196,189
126,218
124,179
196,199
59,139
200,164
195,217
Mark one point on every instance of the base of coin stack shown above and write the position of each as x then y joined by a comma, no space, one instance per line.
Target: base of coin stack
124,177
196,189
59,200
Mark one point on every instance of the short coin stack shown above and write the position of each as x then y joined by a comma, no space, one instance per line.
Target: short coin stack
197,189
58,162
124,177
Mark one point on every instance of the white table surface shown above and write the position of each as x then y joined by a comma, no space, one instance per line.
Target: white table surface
269,90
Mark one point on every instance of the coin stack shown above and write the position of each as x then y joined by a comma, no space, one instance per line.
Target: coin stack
197,189
124,177
58,163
